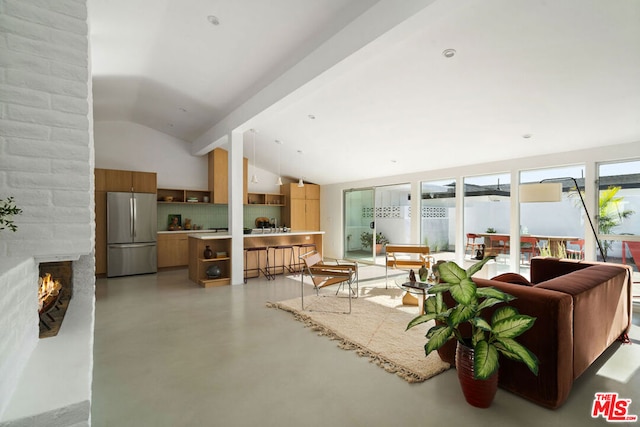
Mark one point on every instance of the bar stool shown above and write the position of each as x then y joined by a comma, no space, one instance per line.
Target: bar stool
257,250
303,248
282,265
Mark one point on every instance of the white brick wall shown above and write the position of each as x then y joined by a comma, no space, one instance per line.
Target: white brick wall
18,303
45,142
46,164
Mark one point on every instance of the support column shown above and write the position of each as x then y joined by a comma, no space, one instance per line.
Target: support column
236,205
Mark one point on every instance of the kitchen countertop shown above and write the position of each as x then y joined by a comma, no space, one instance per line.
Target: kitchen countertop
187,231
223,235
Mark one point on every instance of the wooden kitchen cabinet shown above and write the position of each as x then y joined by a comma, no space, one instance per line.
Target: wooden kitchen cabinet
173,250
302,210
219,176
123,180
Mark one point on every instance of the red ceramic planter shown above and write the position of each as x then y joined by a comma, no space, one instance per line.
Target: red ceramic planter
478,393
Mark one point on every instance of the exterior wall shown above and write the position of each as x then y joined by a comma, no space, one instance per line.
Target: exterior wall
46,164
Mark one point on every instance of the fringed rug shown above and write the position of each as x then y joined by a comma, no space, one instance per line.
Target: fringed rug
372,330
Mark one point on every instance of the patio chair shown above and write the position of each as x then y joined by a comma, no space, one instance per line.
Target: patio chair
472,244
323,274
573,252
529,248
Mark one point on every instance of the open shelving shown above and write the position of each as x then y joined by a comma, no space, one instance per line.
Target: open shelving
183,196
265,199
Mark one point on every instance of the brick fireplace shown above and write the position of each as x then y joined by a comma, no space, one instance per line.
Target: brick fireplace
46,164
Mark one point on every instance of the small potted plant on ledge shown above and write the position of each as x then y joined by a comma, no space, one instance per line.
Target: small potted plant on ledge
476,353
366,240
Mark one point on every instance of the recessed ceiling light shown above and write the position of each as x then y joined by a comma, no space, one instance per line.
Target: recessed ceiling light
526,136
213,20
449,53
394,161
184,110
311,116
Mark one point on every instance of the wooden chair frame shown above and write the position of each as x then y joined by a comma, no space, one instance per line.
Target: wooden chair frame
323,275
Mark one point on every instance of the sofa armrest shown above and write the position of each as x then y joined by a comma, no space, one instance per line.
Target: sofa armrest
601,309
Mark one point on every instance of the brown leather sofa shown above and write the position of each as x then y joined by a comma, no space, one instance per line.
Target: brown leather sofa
581,308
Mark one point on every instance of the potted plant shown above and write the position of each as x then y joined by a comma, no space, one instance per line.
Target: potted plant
366,239
7,210
477,352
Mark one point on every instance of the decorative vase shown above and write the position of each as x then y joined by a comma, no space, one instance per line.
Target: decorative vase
478,393
208,253
423,273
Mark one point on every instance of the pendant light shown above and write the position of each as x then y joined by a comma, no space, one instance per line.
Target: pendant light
300,181
254,178
279,182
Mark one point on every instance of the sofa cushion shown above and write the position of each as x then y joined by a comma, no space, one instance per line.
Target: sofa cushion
514,278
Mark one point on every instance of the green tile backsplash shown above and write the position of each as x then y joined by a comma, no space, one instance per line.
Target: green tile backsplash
212,216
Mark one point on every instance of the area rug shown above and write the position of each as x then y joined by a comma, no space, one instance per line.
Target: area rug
372,330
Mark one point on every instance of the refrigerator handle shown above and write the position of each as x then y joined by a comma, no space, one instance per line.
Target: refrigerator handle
134,216
131,216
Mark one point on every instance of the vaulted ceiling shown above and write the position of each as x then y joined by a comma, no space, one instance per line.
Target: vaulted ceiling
377,96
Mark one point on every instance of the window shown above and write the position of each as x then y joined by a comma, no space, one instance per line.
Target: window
438,217
619,211
487,210
557,227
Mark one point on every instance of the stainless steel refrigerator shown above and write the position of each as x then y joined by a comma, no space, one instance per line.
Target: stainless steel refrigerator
131,234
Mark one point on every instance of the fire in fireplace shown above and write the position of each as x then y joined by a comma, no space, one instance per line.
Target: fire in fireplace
54,293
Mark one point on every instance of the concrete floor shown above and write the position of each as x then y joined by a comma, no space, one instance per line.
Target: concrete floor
168,353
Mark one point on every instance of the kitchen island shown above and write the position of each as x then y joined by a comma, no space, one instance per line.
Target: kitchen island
220,245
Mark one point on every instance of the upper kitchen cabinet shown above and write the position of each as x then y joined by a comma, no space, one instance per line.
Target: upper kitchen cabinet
122,180
302,210
219,175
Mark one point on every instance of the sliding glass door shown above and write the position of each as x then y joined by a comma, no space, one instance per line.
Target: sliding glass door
375,217
359,224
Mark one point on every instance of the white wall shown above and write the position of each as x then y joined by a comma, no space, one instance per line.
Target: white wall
130,146
332,199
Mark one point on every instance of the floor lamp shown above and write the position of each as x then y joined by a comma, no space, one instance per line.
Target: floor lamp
546,191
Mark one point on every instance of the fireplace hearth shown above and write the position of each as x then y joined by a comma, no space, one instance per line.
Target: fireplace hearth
55,289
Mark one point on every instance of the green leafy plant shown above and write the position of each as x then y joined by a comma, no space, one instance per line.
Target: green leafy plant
491,230
611,213
7,210
487,339
366,239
